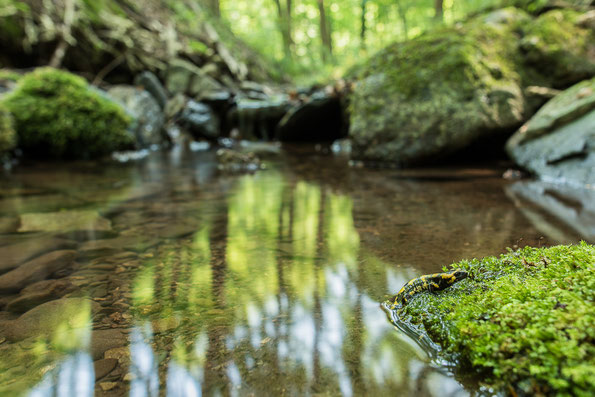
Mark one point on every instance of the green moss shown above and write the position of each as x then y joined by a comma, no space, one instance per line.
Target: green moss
524,320
9,75
560,50
7,134
58,115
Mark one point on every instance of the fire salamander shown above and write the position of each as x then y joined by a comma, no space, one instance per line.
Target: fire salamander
429,282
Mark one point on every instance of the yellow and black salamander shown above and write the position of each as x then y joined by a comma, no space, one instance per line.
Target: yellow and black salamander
429,282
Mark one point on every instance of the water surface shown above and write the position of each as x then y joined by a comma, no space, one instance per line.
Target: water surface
189,282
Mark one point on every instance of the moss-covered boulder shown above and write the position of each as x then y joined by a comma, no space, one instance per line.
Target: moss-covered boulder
524,321
58,115
557,49
440,92
7,134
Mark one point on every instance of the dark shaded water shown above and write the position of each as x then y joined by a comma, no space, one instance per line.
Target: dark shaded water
178,281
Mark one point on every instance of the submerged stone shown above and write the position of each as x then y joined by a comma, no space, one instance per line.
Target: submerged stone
38,293
36,270
52,319
15,254
65,221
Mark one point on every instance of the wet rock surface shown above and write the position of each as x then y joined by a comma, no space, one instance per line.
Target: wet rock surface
147,127
558,143
199,120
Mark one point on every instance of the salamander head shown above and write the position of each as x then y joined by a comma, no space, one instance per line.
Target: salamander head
460,274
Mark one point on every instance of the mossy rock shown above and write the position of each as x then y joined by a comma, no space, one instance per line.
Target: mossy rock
557,50
7,134
524,321
440,92
58,115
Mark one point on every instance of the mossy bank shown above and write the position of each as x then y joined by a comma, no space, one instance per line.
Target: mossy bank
523,321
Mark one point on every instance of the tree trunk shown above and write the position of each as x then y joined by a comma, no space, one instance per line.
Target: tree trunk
363,26
403,15
438,10
325,32
213,6
284,22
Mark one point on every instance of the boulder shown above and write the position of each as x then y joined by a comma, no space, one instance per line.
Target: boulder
38,293
15,254
440,92
148,117
65,221
59,115
183,77
199,120
153,86
36,270
557,49
558,143
319,119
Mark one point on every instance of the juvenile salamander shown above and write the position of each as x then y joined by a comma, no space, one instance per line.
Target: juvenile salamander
429,282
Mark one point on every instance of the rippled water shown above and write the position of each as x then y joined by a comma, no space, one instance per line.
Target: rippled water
178,281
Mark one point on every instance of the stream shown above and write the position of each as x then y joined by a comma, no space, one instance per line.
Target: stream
176,279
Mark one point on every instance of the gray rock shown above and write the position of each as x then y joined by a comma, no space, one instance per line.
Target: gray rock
199,120
558,143
51,317
38,293
140,104
175,105
105,339
64,221
151,83
36,270
15,254
183,77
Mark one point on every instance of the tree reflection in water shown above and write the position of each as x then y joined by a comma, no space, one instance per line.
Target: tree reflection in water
271,296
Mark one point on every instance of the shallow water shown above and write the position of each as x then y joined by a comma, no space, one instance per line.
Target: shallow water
197,283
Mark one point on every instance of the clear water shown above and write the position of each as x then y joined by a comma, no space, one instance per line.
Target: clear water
263,284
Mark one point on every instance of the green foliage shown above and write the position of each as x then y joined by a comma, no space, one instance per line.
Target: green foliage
7,134
257,22
524,320
58,115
